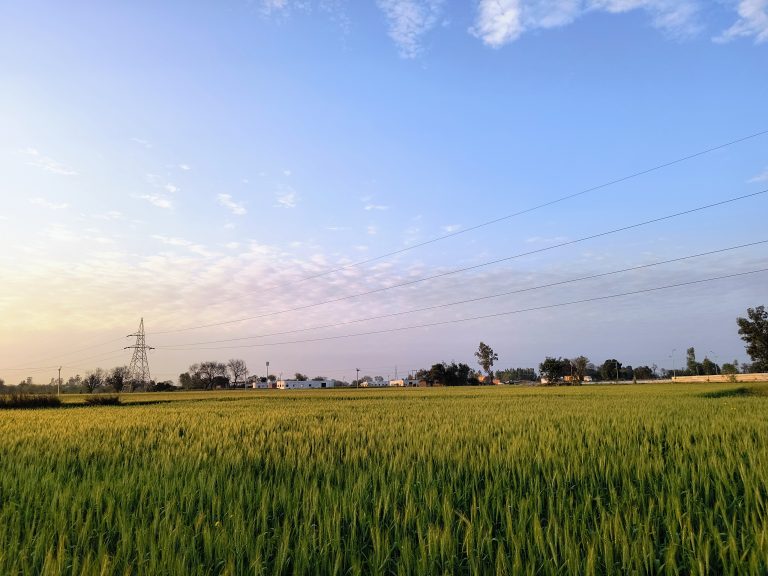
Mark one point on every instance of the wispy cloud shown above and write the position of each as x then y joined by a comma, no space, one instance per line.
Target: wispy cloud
46,204
46,163
370,207
451,228
372,230
286,199
157,200
172,188
171,240
752,22
141,142
227,201
760,177
185,167
409,21
500,22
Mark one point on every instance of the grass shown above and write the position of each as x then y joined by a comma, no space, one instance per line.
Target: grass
585,480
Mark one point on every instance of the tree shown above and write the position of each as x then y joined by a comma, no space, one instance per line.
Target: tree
691,364
210,373
579,365
301,377
610,369
238,369
644,373
93,380
553,369
319,379
485,358
116,378
708,367
754,331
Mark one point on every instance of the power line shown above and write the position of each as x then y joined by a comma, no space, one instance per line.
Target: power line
467,268
471,300
514,214
486,316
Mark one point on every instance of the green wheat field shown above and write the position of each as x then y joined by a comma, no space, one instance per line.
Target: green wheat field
645,479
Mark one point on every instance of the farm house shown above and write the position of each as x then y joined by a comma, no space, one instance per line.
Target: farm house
305,384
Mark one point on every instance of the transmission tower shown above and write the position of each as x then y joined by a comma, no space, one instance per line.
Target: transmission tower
138,371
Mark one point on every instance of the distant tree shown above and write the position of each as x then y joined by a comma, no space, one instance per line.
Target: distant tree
579,365
319,378
272,378
627,373
690,360
708,367
301,377
610,369
730,368
754,331
93,380
485,358
553,369
643,373
210,373
509,375
238,369
117,378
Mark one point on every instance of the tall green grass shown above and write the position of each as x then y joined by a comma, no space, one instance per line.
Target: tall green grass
593,480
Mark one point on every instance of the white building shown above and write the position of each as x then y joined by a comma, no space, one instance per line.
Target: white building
305,384
404,382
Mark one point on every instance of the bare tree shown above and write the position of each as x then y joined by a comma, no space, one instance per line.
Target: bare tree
209,371
579,365
93,380
238,369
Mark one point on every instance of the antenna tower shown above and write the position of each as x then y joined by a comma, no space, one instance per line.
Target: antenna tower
138,371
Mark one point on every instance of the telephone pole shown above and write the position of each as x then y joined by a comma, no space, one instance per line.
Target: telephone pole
138,371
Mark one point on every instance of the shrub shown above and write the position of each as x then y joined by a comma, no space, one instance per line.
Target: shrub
103,400
29,401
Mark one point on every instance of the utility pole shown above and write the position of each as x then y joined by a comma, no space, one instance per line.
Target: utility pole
269,385
58,383
357,378
138,371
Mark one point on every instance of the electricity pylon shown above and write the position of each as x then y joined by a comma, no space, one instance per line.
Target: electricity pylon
138,371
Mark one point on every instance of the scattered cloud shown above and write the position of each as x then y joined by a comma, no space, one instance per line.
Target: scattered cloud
409,21
227,201
141,142
451,228
229,226
370,207
46,204
171,240
185,167
157,200
752,22
286,172
232,245
46,163
500,22
372,230
172,188
760,177
109,215
286,199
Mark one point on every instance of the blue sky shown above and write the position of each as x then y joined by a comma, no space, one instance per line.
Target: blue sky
190,162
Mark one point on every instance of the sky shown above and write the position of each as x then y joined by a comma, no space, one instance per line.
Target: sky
225,169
